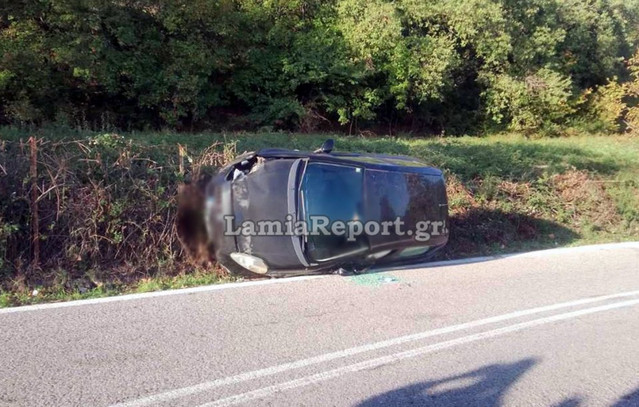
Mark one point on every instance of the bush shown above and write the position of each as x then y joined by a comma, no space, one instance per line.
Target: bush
438,65
102,204
605,107
632,95
535,102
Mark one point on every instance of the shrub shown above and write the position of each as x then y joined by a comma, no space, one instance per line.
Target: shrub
537,101
632,95
103,204
246,63
604,107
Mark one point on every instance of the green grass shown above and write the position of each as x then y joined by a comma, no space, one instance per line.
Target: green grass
157,283
5,300
181,281
507,193
507,155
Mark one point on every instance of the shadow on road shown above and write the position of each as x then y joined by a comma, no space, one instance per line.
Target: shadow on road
570,402
629,400
484,387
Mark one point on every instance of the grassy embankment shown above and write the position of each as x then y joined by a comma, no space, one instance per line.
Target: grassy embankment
506,193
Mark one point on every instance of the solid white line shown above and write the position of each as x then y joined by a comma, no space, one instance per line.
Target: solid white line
384,360
201,387
442,263
533,254
153,294
216,287
576,249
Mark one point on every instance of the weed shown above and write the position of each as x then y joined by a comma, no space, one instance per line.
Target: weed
5,299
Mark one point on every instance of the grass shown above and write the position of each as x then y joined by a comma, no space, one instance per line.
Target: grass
507,193
40,295
181,281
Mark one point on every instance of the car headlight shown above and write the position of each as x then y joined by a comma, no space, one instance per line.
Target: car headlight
255,264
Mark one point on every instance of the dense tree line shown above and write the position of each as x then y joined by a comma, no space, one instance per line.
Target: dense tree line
438,65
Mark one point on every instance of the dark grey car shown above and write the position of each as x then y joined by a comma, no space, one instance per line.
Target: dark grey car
269,212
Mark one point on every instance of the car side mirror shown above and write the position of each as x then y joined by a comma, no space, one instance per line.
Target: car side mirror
327,147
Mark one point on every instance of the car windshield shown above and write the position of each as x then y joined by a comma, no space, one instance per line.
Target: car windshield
331,193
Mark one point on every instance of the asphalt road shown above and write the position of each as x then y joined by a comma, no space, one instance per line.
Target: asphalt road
558,328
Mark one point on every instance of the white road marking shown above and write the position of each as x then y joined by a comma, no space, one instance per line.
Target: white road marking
216,287
576,249
396,357
153,294
205,386
533,254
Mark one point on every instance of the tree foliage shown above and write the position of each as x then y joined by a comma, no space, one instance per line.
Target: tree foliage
442,65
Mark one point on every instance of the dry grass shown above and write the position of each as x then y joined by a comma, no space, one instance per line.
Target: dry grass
556,209
106,211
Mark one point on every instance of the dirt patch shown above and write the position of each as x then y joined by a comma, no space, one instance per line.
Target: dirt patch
478,218
491,214
460,197
585,199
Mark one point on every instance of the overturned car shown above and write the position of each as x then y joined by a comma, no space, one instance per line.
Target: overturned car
278,212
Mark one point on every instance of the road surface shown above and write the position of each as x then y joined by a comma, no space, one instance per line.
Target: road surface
555,328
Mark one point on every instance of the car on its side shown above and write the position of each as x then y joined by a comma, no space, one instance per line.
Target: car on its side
279,212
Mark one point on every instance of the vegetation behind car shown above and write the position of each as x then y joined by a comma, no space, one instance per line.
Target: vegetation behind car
107,204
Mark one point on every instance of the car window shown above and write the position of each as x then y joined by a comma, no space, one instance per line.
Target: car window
335,192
